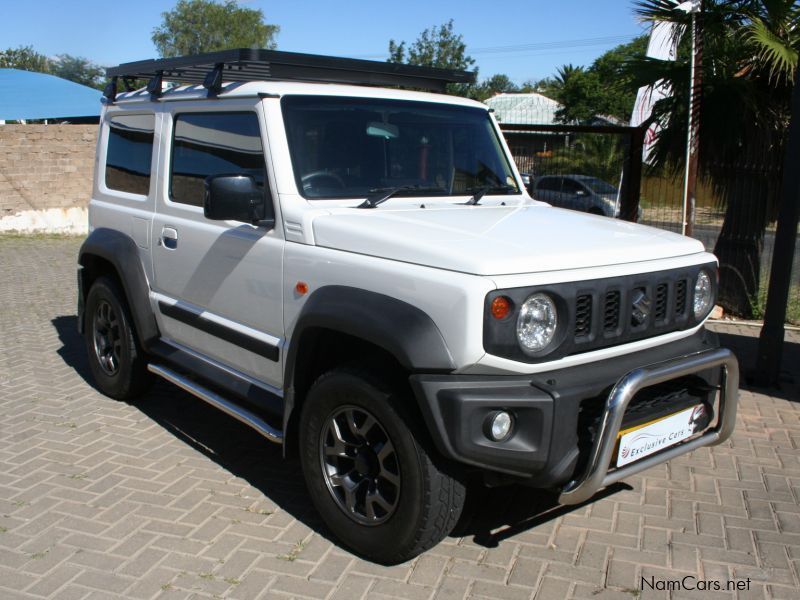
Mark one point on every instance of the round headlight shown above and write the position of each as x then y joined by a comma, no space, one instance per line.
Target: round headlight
537,321
703,295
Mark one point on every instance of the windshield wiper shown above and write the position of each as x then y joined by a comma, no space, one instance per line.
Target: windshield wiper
380,195
482,191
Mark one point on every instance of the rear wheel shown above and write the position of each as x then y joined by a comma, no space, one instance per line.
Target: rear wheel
373,480
115,359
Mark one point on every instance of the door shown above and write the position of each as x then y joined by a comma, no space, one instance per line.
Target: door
217,283
574,195
548,189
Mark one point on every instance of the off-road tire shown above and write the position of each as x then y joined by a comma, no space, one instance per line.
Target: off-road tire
430,499
130,378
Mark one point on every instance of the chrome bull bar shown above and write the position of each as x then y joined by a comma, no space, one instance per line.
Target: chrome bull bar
597,475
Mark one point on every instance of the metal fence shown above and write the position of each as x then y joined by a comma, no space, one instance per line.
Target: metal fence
584,168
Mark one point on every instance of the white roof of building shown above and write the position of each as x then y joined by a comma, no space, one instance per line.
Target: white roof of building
524,109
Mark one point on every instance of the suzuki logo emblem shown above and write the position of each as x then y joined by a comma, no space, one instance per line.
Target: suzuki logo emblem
640,307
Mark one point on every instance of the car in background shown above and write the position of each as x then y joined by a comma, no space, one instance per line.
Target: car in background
527,181
578,192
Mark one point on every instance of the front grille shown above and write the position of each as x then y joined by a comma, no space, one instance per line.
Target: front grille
599,313
662,295
680,297
622,320
611,312
583,315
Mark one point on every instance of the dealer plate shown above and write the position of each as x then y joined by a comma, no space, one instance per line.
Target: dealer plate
637,442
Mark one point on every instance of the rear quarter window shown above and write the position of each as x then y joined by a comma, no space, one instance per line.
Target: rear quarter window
129,153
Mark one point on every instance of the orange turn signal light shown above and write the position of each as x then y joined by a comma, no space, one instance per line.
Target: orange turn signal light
301,288
501,307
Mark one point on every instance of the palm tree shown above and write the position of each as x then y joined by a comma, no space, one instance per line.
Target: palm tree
598,155
749,57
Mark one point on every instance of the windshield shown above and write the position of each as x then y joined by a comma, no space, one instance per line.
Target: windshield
598,186
350,147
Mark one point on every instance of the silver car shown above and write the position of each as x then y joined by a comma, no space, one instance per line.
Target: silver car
578,192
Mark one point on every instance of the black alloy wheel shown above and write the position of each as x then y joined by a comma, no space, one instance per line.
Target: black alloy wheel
370,468
107,341
360,465
116,360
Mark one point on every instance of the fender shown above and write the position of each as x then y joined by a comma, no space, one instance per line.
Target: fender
123,253
403,330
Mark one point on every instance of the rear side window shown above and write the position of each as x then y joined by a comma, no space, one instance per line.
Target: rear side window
206,144
549,184
130,153
572,187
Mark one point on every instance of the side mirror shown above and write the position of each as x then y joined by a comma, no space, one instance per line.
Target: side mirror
580,193
236,198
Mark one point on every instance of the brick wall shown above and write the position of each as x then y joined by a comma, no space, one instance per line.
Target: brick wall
45,166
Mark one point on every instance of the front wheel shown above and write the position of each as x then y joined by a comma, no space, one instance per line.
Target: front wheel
372,480
115,358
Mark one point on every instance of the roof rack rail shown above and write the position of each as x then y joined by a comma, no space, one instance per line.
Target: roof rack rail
248,64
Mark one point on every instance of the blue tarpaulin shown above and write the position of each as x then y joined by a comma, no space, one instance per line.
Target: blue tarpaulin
28,95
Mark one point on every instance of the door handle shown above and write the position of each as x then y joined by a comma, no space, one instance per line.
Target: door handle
169,237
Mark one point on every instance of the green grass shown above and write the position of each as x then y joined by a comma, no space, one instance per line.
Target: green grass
792,307
292,555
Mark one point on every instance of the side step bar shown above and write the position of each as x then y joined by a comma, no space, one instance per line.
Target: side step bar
217,401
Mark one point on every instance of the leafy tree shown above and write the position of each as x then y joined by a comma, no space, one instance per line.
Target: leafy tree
604,88
78,69
547,87
749,58
496,84
436,47
589,154
24,58
618,95
580,95
196,26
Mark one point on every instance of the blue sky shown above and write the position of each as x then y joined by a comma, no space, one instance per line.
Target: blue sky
524,39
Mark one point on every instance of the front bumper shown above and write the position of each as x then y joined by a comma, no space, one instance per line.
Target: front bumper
597,474
567,421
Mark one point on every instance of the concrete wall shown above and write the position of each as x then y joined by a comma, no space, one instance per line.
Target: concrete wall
45,167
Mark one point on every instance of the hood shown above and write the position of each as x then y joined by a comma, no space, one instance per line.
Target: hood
497,240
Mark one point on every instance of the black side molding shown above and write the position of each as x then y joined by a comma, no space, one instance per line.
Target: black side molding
236,387
184,315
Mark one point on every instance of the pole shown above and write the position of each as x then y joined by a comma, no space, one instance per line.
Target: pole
770,342
630,188
693,125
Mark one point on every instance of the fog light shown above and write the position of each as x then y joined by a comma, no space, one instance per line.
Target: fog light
499,425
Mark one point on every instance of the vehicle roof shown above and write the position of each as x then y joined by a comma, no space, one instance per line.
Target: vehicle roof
285,88
570,176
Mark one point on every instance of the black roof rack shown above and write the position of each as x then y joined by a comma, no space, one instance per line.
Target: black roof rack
247,64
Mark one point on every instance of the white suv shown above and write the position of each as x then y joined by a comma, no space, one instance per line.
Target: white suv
358,273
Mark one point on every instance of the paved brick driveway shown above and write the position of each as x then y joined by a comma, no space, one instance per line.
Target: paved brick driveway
167,498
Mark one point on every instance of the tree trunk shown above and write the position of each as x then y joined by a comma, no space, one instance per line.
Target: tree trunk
748,192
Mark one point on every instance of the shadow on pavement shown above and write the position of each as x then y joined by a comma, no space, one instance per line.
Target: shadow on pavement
232,445
745,348
73,349
500,513
491,516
